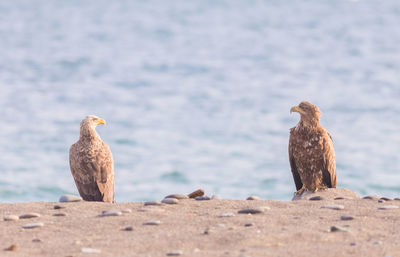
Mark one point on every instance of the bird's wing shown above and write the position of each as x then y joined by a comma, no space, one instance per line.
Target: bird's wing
329,171
105,171
295,173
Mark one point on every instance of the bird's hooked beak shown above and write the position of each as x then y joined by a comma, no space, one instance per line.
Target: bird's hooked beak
295,109
100,121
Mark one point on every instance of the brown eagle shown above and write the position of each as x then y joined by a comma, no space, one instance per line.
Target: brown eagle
311,153
91,163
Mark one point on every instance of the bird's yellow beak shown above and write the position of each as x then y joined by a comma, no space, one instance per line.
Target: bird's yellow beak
100,121
295,109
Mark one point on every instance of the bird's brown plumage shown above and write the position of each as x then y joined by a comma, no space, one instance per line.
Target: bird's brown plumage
91,163
311,153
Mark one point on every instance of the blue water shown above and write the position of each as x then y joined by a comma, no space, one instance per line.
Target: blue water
196,94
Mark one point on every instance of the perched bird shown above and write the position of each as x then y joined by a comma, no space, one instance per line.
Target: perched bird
92,164
311,153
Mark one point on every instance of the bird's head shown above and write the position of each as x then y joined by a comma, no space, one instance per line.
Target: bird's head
309,113
89,124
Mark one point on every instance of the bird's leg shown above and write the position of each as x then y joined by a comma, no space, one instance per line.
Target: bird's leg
319,187
301,190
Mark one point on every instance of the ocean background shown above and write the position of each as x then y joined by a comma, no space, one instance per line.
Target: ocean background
196,94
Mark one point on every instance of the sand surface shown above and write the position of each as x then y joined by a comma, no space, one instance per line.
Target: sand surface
196,228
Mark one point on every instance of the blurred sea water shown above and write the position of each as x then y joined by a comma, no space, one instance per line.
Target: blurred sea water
196,94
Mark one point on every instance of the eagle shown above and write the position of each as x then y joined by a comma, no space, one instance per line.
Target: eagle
311,153
91,163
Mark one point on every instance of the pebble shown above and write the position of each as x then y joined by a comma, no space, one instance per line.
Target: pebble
371,197
29,215
215,197
338,229
56,207
11,248
333,206
111,213
249,224
387,207
177,196
202,198
175,253
343,198
152,222
11,218
126,211
33,225
386,198
170,201
345,217
61,214
352,243
253,197
253,210
129,228
381,201
70,198
90,250
378,242
227,214
36,240
152,203
316,198
199,192
207,231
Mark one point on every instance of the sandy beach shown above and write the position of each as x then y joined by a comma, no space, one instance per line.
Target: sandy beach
347,226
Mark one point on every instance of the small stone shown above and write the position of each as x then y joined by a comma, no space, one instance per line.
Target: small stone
152,223
61,214
111,213
90,250
215,197
128,228
316,198
70,198
11,248
202,198
249,224
227,214
343,198
36,240
33,225
29,215
338,229
333,206
387,207
56,207
152,203
371,197
11,218
175,253
378,242
126,211
207,231
199,192
352,243
170,201
253,210
177,196
253,197
381,201
346,217
386,198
